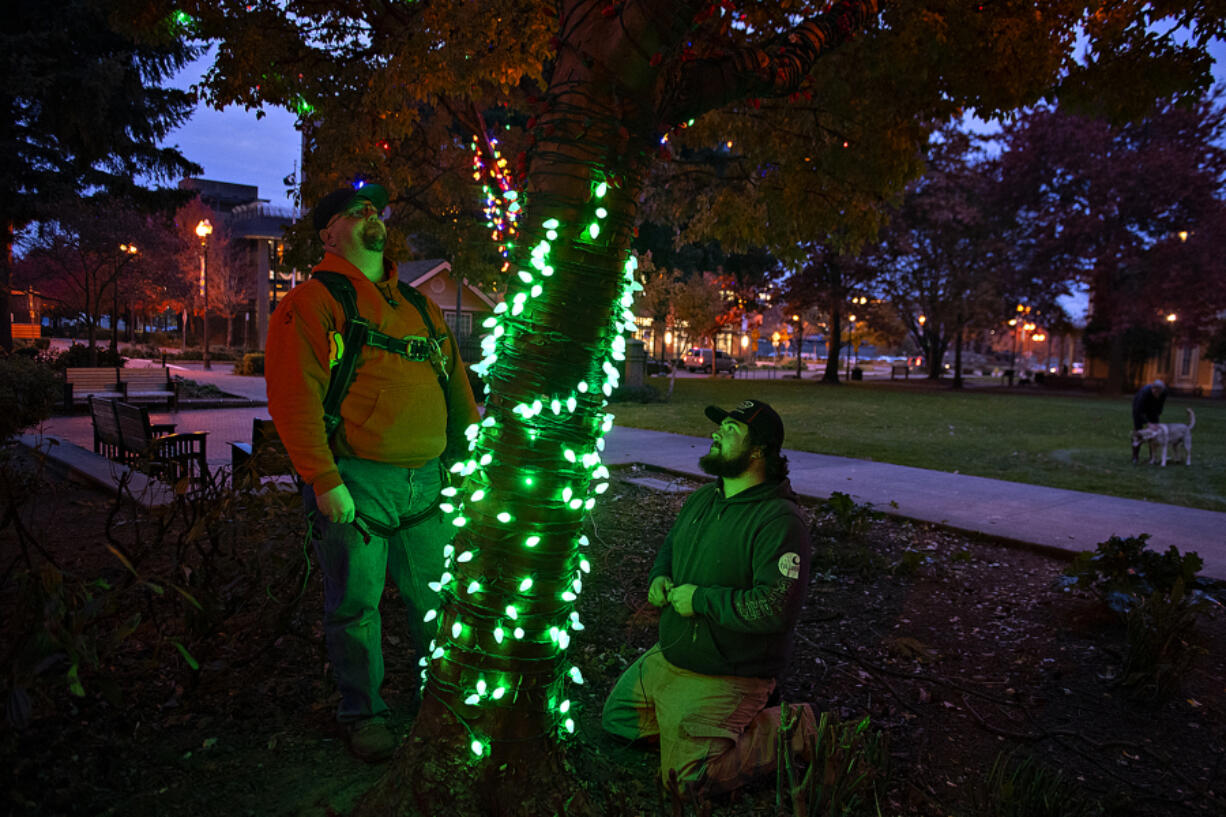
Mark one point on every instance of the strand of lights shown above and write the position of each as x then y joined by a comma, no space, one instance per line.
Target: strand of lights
557,433
502,204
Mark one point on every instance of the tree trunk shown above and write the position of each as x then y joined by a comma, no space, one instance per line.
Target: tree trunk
495,709
1116,365
958,356
831,374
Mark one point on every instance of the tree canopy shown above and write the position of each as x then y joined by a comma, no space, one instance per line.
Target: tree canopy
84,112
1134,211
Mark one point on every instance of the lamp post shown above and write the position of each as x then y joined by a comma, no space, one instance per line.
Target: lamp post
800,343
204,229
130,249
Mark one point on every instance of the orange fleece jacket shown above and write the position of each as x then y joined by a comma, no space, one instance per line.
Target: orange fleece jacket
394,411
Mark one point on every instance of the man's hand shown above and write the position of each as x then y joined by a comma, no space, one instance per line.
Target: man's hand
657,594
336,505
682,599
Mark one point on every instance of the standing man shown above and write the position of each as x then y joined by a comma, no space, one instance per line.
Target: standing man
731,577
370,449
1147,404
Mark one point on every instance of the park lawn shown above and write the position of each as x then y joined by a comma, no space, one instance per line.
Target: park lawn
1022,435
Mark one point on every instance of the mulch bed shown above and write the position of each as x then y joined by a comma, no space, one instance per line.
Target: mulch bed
961,654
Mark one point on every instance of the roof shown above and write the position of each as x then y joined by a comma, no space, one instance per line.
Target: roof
416,273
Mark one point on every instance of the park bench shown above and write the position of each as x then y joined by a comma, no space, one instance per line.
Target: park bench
153,385
900,369
123,433
264,456
83,383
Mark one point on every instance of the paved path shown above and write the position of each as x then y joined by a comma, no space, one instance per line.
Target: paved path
1051,518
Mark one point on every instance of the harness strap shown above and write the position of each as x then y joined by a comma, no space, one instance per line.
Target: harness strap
359,333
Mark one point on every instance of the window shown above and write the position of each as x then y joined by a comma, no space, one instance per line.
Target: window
1185,361
466,323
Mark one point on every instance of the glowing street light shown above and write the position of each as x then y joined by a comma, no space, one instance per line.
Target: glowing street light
204,229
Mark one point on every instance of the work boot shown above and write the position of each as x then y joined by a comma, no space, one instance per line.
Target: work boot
371,740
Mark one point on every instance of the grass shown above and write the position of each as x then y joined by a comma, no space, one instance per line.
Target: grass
1022,435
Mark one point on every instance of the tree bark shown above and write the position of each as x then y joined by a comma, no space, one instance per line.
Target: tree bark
831,374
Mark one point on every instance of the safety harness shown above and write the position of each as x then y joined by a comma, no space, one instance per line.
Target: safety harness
357,333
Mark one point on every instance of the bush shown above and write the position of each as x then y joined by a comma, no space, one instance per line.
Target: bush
29,391
251,364
635,394
78,355
1123,572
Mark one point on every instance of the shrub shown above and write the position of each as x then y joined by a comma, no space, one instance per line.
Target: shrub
1020,787
29,391
635,394
251,364
1158,597
1123,571
78,355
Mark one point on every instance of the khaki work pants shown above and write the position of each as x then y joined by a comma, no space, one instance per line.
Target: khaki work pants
714,730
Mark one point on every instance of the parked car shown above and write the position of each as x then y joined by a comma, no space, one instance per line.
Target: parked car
655,367
699,360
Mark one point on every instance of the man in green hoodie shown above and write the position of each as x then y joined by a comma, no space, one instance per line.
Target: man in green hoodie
731,577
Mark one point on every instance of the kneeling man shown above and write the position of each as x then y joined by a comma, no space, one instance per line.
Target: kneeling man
731,577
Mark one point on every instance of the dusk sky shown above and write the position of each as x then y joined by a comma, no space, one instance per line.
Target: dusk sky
234,146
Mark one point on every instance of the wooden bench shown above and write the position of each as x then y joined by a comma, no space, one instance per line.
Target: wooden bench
900,369
123,433
82,383
30,331
264,456
153,385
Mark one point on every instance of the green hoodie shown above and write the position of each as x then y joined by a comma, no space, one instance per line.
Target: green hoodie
749,557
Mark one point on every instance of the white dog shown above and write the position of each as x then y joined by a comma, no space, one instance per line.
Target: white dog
1164,436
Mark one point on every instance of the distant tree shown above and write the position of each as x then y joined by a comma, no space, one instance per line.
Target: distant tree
948,253
701,304
656,299
83,111
91,259
1134,211
827,282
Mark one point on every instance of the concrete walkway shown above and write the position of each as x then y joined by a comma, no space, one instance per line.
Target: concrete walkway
1048,518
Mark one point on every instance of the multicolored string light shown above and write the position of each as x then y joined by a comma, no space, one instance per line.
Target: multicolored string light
502,206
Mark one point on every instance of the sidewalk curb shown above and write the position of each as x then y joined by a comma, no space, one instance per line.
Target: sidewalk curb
811,500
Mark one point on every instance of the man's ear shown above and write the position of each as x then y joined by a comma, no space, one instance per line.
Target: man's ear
324,236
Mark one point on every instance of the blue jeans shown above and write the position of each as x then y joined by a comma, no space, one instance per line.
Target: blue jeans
354,573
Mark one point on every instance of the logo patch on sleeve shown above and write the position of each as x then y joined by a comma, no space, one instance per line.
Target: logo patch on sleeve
789,565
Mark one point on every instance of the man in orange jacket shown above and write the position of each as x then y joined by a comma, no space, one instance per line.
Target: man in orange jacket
372,486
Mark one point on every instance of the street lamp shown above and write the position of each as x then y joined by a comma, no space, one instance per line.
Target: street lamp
204,229
800,343
851,332
129,249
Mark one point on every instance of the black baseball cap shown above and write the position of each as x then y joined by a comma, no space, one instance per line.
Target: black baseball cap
338,200
762,420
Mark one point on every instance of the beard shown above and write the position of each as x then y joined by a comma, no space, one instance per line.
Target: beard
717,465
374,236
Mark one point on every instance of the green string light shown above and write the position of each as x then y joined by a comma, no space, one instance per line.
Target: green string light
536,606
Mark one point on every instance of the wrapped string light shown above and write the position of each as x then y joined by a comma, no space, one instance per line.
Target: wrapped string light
492,604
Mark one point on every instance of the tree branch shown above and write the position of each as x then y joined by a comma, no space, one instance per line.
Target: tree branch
775,68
